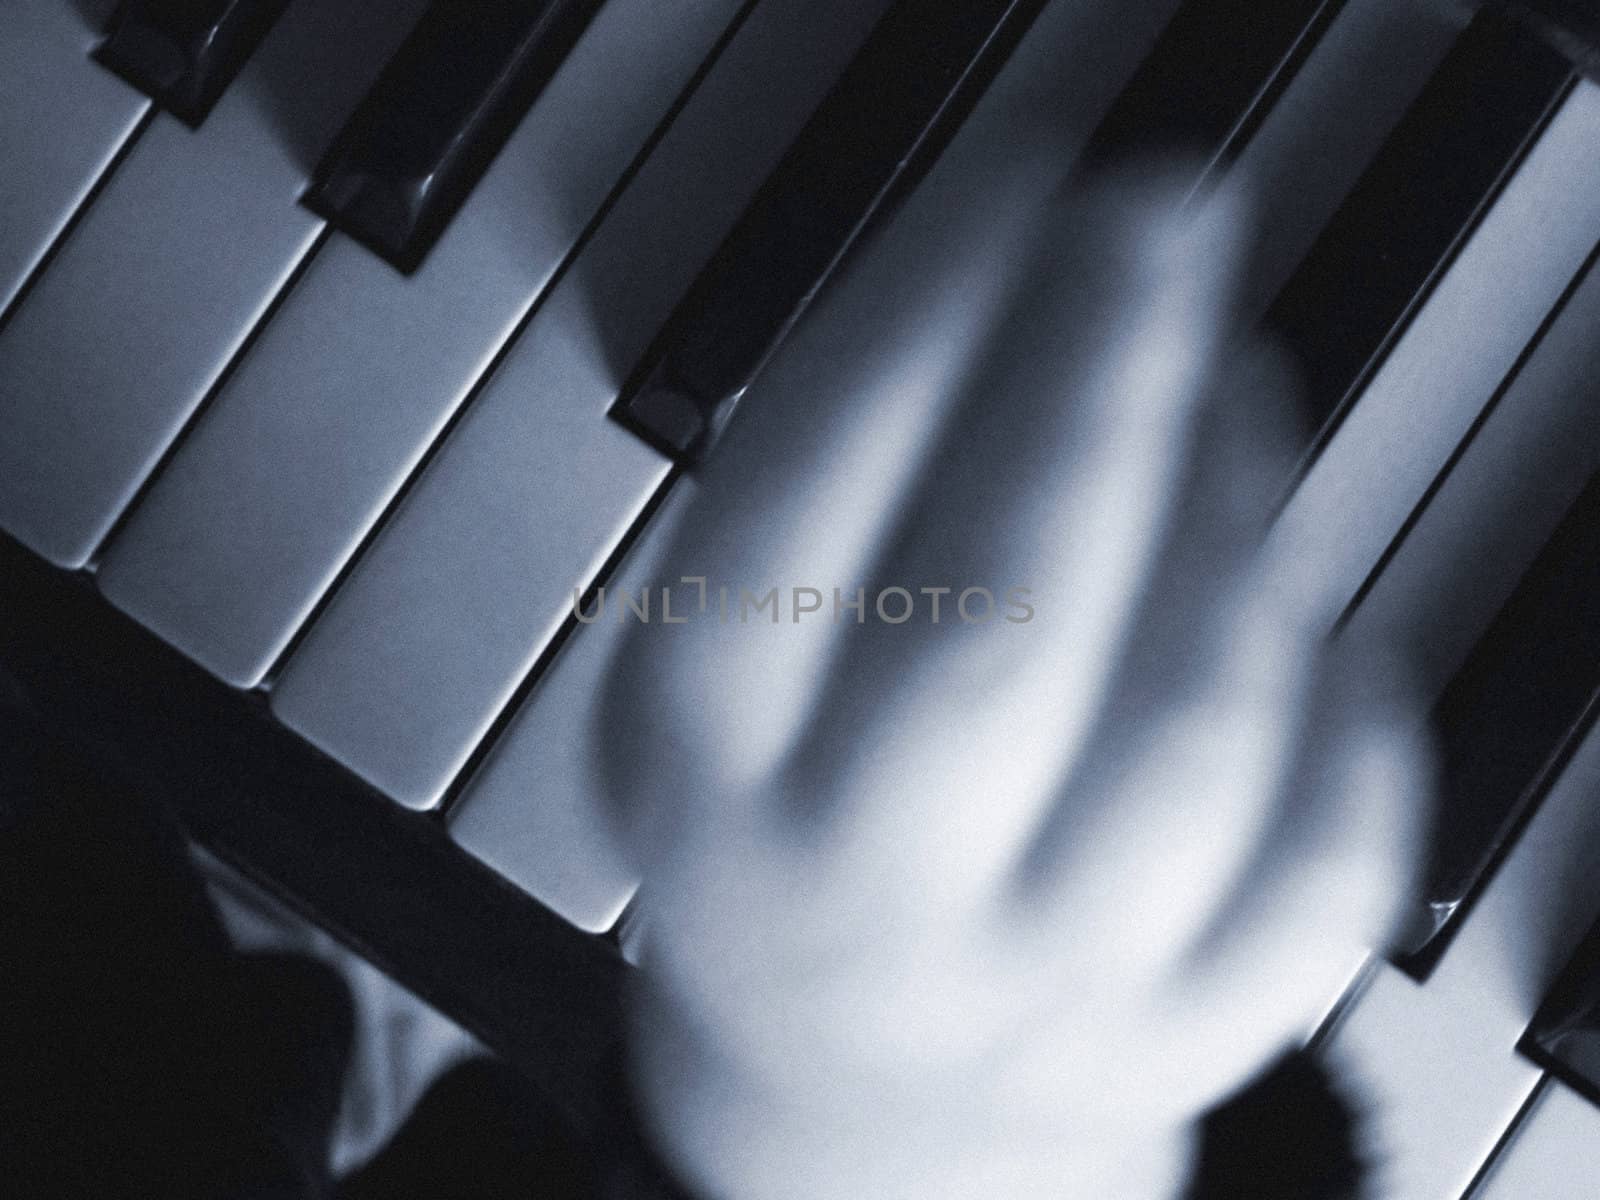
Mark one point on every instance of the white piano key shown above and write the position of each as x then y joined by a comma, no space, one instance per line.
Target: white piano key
1500,502
1435,1065
63,118
432,631
1554,1154
359,370
163,279
531,811
1460,346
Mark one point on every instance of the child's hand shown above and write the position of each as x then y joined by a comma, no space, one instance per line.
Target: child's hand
994,909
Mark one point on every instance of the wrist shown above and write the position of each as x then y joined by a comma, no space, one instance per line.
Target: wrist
729,1137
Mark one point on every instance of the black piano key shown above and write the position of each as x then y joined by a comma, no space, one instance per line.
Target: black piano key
1572,26
1378,258
1564,1035
1210,79
880,128
184,53
1507,721
437,115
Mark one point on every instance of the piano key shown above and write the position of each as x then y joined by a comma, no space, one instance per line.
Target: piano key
888,116
1435,1064
1375,263
1503,717
1564,1036
1455,353
438,114
532,810
290,466
1573,26
1210,80
62,123
184,53
1462,552
1530,678
1553,1155
163,280
454,600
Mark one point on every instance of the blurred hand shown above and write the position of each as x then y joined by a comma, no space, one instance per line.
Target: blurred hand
997,907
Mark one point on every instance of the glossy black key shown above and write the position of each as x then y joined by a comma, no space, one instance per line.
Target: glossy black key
1564,1036
440,111
1507,721
896,105
184,53
1572,26
1210,79
1412,209
887,119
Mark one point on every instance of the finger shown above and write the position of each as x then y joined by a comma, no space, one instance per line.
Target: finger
1331,897
1056,473
1247,695
807,477
1267,968
1331,880
1320,889
1188,745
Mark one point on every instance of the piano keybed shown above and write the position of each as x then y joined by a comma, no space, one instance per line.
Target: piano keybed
360,498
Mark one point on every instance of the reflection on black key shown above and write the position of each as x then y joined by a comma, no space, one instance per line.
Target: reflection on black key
1396,232
890,114
1507,721
1564,1036
898,102
1210,79
444,105
184,53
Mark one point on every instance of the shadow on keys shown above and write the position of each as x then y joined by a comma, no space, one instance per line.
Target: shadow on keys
143,1055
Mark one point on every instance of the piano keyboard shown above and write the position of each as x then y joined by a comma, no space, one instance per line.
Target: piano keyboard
339,370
